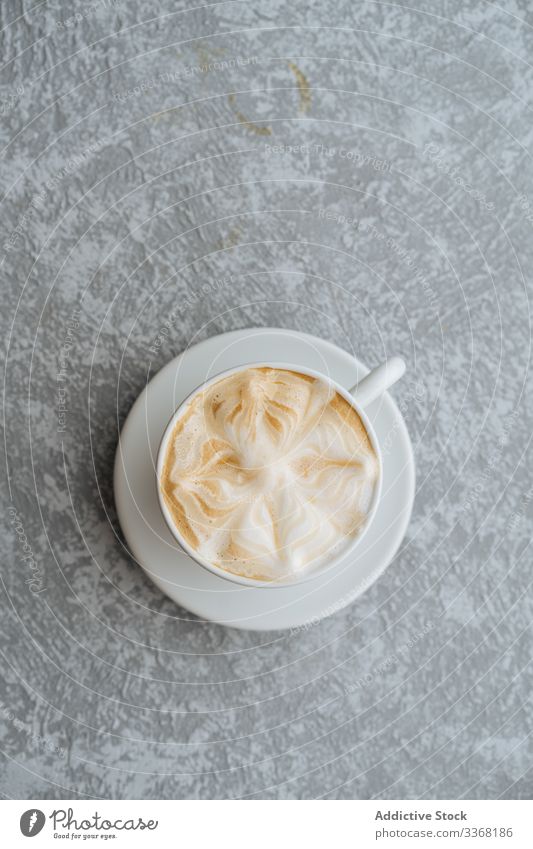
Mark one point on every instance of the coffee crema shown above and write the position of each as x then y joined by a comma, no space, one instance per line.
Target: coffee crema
268,473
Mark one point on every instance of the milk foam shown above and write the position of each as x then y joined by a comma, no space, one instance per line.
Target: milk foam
269,473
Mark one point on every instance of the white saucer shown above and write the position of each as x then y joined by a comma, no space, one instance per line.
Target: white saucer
183,580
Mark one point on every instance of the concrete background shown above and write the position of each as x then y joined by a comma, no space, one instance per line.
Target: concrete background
358,171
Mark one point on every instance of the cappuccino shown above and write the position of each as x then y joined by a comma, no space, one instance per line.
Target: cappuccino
268,473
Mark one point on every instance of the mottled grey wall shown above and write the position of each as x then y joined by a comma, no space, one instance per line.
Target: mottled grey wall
360,171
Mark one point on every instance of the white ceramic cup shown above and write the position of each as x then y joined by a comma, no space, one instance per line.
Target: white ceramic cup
363,393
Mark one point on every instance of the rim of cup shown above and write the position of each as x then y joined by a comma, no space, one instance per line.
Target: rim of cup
242,579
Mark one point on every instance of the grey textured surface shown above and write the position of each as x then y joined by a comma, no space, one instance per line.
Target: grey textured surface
137,165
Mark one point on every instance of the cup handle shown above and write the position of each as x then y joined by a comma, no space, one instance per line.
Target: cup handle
378,381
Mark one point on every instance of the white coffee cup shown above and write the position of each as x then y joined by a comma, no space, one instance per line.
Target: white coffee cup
362,394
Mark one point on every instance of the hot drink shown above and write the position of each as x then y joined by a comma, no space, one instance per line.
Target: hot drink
269,473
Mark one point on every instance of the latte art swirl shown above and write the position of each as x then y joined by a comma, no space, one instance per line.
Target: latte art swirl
268,473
